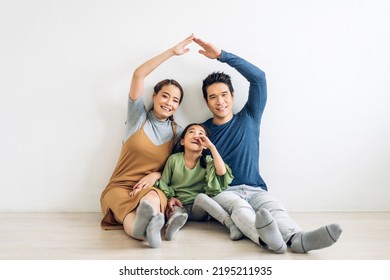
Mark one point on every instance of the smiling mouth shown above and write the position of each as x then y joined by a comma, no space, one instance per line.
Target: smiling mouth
166,109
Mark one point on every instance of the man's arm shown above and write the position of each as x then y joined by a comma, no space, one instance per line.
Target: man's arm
257,97
258,88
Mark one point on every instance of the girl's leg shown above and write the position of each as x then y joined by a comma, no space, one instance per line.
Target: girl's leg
146,221
175,222
241,213
203,203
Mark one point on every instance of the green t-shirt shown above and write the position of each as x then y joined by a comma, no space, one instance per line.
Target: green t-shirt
185,184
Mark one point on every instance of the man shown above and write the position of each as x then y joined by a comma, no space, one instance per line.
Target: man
257,214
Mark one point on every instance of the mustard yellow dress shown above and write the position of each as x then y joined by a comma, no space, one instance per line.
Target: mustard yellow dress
138,157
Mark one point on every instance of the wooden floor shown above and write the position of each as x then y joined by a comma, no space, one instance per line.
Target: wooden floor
77,236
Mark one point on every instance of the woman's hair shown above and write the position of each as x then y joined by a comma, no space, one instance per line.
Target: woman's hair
166,82
180,148
216,77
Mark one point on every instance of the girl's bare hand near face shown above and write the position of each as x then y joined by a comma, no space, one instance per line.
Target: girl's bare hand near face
205,142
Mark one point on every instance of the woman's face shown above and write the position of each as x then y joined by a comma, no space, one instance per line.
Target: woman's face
166,101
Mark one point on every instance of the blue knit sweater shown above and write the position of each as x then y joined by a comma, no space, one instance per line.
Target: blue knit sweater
238,140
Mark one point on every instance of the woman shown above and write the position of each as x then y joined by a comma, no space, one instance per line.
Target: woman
130,201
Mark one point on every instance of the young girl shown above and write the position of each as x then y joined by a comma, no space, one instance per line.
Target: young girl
190,177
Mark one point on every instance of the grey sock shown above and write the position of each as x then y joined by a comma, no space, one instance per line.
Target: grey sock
153,230
268,231
235,233
175,223
144,213
323,237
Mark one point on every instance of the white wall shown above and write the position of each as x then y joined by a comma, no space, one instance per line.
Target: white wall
65,68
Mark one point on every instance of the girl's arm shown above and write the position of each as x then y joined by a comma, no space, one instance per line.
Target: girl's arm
220,168
139,74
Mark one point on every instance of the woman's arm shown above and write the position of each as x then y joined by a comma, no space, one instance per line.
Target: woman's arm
139,74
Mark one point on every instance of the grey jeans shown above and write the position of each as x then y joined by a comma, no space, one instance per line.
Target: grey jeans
202,207
242,202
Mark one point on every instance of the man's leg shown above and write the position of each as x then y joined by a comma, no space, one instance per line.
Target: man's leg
300,241
262,199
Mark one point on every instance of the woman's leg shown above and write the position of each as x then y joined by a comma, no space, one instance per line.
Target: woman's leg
146,221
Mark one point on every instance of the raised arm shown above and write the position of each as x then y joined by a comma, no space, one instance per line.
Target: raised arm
255,76
209,50
139,74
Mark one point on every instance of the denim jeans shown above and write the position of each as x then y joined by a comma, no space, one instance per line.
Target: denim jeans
242,202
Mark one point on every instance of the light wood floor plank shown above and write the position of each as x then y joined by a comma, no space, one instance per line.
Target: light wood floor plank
77,236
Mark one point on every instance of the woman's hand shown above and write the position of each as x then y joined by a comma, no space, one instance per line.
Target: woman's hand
147,181
181,48
142,71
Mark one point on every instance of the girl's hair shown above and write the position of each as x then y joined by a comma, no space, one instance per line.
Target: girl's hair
166,82
180,148
216,77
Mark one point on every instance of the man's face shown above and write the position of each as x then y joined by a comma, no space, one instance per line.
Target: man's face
220,102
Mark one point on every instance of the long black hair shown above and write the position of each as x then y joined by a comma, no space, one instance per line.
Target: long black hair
180,148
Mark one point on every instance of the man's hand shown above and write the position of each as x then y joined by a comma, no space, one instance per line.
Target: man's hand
209,50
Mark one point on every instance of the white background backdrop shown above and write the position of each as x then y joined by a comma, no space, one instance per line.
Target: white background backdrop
65,68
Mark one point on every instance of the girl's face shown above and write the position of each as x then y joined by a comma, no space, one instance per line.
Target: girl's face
166,101
191,139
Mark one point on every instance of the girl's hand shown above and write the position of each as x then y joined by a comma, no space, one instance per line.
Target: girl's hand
172,202
205,142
